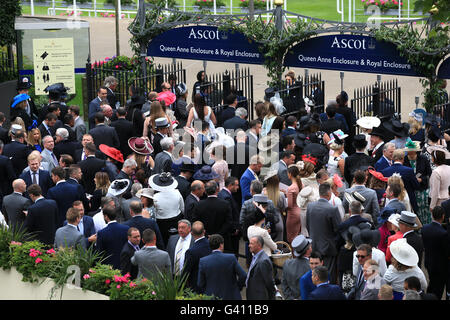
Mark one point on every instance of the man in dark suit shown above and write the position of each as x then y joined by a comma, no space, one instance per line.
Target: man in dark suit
385,160
111,84
68,124
193,198
141,223
229,110
63,145
164,160
112,238
291,125
75,175
238,121
409,178
37,176
63,193
17,151
215,213
125,130
47,127
358,159
407,224
178,244
128,170
376,143
183,179
192,257
86,225
103,134
242,152
231,187
162,129
128,250
332,124
15,204
260,283
90,167
79,126
322,220
94,105
80,155
324,290
42,216
436,246
3,132
219,273
7,174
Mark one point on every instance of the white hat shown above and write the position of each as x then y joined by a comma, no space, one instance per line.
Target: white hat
404,252
393,219
146,192
162,182
117,187
368,122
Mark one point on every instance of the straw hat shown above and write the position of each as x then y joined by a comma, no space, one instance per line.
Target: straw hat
404,252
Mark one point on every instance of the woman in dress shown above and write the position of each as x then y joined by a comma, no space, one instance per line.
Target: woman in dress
102,183
34,139
268,120
156,111
201,112
337,157
439,180
434,141
293,226
278,198
422,169
259,228
308,177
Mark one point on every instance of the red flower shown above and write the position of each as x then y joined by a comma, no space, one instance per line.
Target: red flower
38,260
107,281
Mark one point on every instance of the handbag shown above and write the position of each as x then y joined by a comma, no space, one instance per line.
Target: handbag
45,67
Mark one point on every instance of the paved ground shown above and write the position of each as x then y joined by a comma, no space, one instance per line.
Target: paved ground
102,37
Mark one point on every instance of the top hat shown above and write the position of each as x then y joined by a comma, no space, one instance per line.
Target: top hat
118,187
299,245
140,146
368,122
23,83
377,131
408,218
162,182
404,253
111,152
359,141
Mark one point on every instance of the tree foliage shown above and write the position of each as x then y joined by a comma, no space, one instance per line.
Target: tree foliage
9,10
440,9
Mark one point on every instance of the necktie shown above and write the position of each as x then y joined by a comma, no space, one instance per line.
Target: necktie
34,178
136,248
84,156
54,158
178,257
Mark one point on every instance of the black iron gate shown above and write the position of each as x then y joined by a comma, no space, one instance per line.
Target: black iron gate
156,75
220,85
382,99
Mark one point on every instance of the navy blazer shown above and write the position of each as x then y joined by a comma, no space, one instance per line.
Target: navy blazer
227,113
42,220
381,164
102,134
45,181
64,194
18,153
110,240
142,223
423,167
199,249
94,107
235,123
125,261
288,132
85,200
327,292
235,211
338,116
436,246
220,274
409,180
189,207
244,183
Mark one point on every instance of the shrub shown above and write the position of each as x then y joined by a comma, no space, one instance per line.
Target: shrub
209,3
257,4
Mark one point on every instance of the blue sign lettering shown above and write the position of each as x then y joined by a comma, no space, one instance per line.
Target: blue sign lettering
349,53
205,43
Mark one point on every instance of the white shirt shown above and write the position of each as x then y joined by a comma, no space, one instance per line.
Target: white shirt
99,221
183,246
37,176
378,256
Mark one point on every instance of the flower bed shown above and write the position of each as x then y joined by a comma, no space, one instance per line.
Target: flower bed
384,5
121,63
209,3
52,271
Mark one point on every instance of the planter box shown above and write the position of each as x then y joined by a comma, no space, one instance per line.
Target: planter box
218,9
245,10
13,288
390,12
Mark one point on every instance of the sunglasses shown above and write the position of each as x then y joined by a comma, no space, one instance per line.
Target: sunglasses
360,257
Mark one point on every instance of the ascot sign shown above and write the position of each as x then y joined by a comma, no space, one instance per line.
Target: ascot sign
205,43
349,53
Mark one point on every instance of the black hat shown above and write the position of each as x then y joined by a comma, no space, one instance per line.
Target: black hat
359,141
367,236
269,93
377,131
432,119
162,182
344,96
397,128
259,215
300,140
137,100
23,83
57,90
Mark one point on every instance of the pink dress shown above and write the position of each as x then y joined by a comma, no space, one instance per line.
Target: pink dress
293,225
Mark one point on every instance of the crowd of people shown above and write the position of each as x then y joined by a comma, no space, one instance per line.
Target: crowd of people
168,182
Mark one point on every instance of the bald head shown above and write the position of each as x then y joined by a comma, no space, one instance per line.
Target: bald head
241,136
19,185
197,188
198,230
107,110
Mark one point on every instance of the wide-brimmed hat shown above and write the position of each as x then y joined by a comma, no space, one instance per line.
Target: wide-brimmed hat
386,213
359,141
268,142
136,100
167,96
206,173
393,218
111,152
337,137
408,218
412,146
404,253
162,123
299,245
300,140
140,146
430,150
367,236
118,187
146,192
368,122
271,173
377,131
309,102
24,83
348,233
378,175
162,182
417,116
397,128
432,119
19,98
260,198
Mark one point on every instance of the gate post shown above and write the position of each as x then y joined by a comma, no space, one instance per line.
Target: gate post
89,93
159,79
226,84
376,100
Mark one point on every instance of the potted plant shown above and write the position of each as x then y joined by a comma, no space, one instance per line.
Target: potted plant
387,7
257,4
209,5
